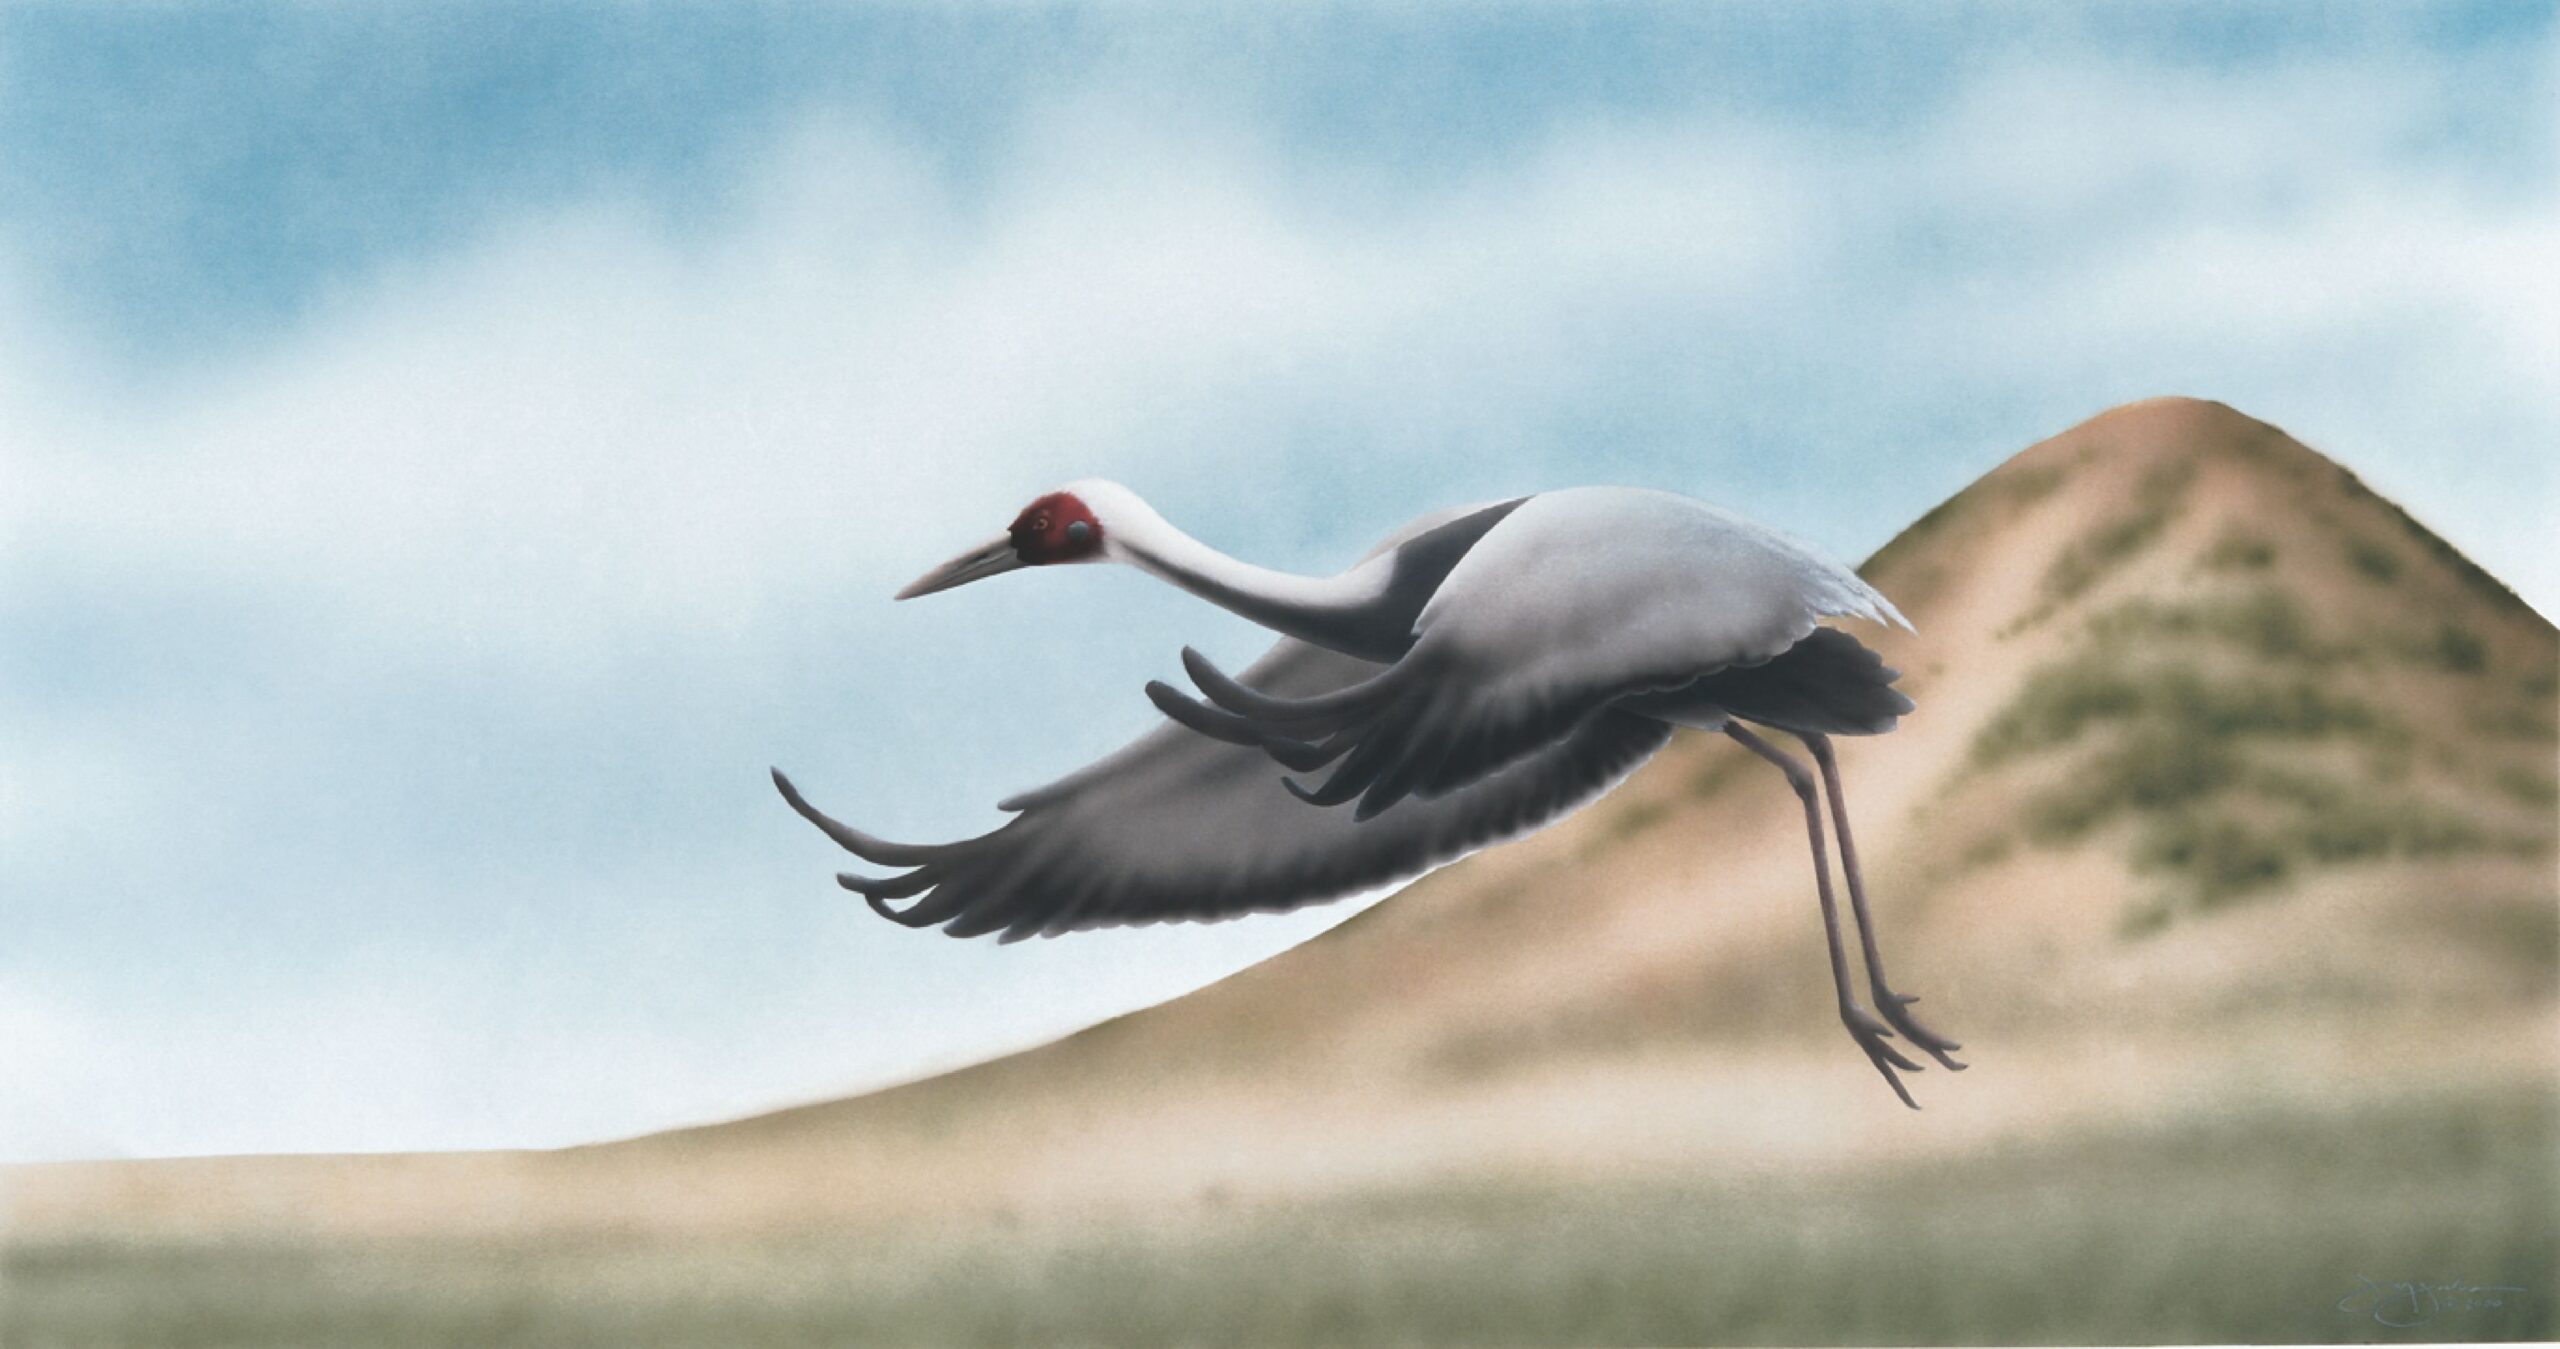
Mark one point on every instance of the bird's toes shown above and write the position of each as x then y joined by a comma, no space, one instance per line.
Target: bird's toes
1930,1042
1891,1078
1872,1035
1864,1024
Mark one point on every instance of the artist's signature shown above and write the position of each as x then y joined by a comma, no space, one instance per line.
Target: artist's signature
2415,1303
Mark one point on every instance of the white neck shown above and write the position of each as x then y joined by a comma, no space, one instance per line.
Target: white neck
1338,612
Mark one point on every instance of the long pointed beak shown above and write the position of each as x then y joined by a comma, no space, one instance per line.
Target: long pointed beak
992,558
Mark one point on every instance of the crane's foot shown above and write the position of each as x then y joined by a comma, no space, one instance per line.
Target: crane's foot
1871,1035
1896,1008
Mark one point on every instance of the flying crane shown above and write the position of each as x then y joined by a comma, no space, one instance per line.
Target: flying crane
1480,674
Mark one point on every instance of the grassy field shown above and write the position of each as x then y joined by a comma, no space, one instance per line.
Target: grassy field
2243,1229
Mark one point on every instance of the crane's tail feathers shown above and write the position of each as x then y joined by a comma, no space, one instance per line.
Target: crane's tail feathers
877,851
1321,714
1298,756
1857,599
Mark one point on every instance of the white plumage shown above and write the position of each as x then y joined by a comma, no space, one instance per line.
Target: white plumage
1481,673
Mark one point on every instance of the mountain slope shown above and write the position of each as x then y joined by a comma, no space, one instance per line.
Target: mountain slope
2230,786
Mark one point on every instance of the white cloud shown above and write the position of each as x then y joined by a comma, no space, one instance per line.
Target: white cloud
2274,241
583,426
44,1050
2060,139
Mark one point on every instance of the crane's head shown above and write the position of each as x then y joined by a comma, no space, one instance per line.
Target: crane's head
1060,527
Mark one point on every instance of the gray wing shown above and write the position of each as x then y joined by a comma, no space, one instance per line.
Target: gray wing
1182,826
1574,602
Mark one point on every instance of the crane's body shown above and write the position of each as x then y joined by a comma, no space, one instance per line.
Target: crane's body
1481,673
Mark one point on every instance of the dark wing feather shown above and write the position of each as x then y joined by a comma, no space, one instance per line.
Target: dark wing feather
1830,684
1184,826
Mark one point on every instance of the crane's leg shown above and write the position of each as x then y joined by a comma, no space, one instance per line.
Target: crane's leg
1894,1006
1864,1028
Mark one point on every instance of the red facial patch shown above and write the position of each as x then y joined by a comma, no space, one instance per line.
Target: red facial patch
1056,528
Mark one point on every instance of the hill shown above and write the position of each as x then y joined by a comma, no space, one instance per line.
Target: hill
2224,831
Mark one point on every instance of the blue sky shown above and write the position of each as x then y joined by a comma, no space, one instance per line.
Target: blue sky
446,454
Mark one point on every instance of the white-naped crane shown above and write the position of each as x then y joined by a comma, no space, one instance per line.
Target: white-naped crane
1481,673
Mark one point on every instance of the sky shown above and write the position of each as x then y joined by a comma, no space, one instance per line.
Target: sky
447,454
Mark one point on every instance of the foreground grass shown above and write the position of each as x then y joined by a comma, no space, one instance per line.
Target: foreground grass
2234,1230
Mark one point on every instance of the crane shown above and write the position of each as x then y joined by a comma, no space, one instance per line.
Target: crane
1478,675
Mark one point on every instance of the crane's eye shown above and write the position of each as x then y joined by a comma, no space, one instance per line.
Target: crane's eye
1079,531
1039,524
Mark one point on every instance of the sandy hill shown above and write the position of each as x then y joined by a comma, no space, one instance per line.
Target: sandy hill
2231,789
